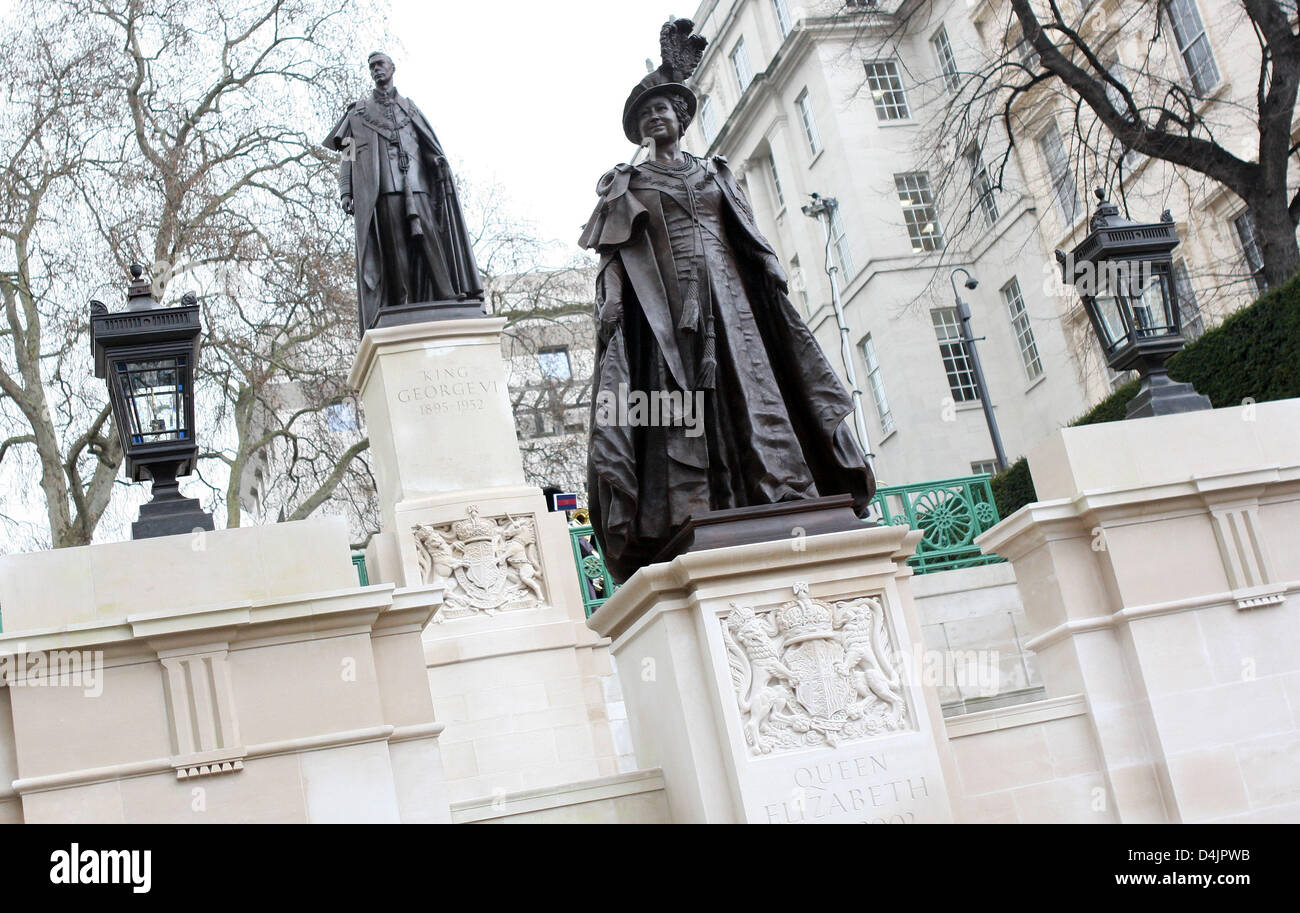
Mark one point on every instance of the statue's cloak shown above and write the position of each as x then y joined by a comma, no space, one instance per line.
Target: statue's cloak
645,482
357,138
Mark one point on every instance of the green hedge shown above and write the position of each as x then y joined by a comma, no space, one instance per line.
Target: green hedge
1013,488
1254,354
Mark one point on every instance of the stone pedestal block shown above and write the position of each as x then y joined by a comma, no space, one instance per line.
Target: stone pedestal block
524,687
231,676
1160,574
771,682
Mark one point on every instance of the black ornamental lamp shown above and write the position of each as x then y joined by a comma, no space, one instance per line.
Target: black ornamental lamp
147,354
1124,273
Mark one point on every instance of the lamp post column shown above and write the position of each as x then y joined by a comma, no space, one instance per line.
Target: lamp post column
981,385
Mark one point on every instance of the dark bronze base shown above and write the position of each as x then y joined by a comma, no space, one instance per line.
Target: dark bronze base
172,517
423,311
764,523
1159,394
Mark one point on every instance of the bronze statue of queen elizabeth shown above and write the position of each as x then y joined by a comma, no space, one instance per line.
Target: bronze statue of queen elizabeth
691,301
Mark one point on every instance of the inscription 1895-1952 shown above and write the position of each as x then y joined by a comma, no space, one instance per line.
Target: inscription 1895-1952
448,391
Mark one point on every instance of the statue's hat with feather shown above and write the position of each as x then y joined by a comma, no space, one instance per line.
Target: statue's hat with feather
681,52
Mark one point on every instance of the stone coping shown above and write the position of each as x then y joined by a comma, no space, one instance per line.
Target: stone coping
1056,708
539,799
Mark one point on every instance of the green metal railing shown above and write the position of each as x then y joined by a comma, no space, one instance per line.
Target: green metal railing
950,513
593,579
359,562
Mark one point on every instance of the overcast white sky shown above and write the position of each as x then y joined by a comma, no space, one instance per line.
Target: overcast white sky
529,94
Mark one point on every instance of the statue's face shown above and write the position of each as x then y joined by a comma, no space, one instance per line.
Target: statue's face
657,119
381,70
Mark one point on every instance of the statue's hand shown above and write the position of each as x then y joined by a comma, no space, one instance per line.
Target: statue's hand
611,318
346,203
775,274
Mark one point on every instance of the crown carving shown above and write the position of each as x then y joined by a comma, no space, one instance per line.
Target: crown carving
804,619
474,529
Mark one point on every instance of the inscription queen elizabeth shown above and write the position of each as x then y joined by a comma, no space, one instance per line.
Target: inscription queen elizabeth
807,673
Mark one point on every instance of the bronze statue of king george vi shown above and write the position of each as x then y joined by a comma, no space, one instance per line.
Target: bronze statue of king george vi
414,258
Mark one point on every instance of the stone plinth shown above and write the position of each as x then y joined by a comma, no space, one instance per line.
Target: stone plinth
230,676
1159,573
520,681
437,410
770,682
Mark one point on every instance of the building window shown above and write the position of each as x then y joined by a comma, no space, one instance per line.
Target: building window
554,363
341,417
782,16
840,238
1026,53
1064,189
708,119
1189,311
984,468
1193,44
809,125
947,61
776,180
877,382
740,62
919,211
799,283
1033,365
887,90
1115,70
1248,237
956,361
982,186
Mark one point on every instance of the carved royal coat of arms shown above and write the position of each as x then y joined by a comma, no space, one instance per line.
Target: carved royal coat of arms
808,674
487,564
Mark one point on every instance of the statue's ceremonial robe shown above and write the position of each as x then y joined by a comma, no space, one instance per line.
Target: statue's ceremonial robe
774,424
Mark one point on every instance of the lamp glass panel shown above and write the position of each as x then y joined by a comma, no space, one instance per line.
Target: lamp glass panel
1107,308
1152,305
154,394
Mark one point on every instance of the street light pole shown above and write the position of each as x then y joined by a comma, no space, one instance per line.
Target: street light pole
968,341
820,209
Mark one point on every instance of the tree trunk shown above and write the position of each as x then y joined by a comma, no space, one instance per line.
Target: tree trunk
1277,236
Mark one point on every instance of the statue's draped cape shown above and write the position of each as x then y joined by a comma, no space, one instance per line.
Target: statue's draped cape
645,482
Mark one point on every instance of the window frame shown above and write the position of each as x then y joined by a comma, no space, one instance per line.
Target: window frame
1069,215
876,380
1192,10
912,219
1249,245
943,52
554,350
958,366
803,102
840,242
887,109
1031,360
776,180
740,55
709,125
985,196
783,20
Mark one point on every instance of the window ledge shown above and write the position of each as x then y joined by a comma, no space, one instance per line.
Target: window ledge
819,154
1037,381
897,122
884,437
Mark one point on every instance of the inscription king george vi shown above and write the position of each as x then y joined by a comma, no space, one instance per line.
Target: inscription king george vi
807,673
487,564
456,390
